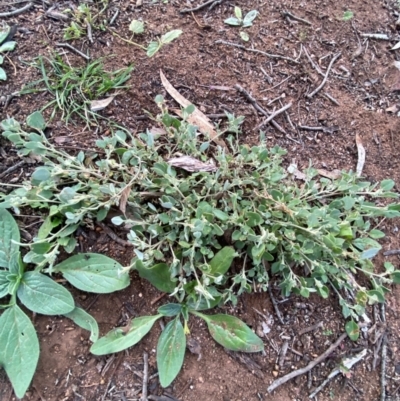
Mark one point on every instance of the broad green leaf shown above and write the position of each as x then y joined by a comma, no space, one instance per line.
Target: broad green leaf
170,309
19,352
233,21
352,330
4,282
4,31
232,333
41,294
84,320
93,272
170,351
153,48
170,36
36,121
10,124
7,47
136,26
3,75
45,228
375,296
395,276
249,18
387,185
222,261
9,232
238,13
202,303
41,248
159,275
122,338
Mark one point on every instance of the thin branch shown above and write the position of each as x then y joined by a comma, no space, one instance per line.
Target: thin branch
258,107
288,14
223,42
334,58
207,3
274,114
301,371
12,168
145,376
68,46
17,11
275,304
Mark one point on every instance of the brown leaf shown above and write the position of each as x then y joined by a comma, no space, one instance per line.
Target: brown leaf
191,164
333,175
124,198
97,105
197,117
157,132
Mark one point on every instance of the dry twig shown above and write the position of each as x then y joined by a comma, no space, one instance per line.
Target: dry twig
145,376
17,11
275,384
213,3
274,114
315,91
275,304
78,52
292,16
112,235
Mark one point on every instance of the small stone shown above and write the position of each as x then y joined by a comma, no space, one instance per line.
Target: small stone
201,380
275,373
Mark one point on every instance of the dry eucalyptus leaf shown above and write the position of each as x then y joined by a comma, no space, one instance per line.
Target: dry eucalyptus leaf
361,156
124,198
191,164
197,117
333,175
97,105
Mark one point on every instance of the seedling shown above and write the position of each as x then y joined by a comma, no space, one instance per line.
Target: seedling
5,47
19,344
74,88
137,27
226,330
347,15
239,20
83,20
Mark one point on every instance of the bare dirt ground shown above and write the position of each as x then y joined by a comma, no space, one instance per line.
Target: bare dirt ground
363,84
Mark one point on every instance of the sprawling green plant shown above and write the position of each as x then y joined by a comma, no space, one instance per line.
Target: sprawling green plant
75,88
19,345
5,47
227,330
314,237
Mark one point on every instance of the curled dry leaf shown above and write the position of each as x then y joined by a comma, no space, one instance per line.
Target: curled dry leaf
191,164
124,198
157,132
197,117
97,105
361,156
292,169
333,175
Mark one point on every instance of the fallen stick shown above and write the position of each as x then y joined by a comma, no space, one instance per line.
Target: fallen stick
334,58
290,15
392,252
18,11
275,384
361,156
348,363
78,52
145,376
274,114
275,305
257,106
210,2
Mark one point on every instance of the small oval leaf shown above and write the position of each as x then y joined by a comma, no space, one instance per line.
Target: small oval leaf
36,121
171,351
170,309
9,233
222,261
352,330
